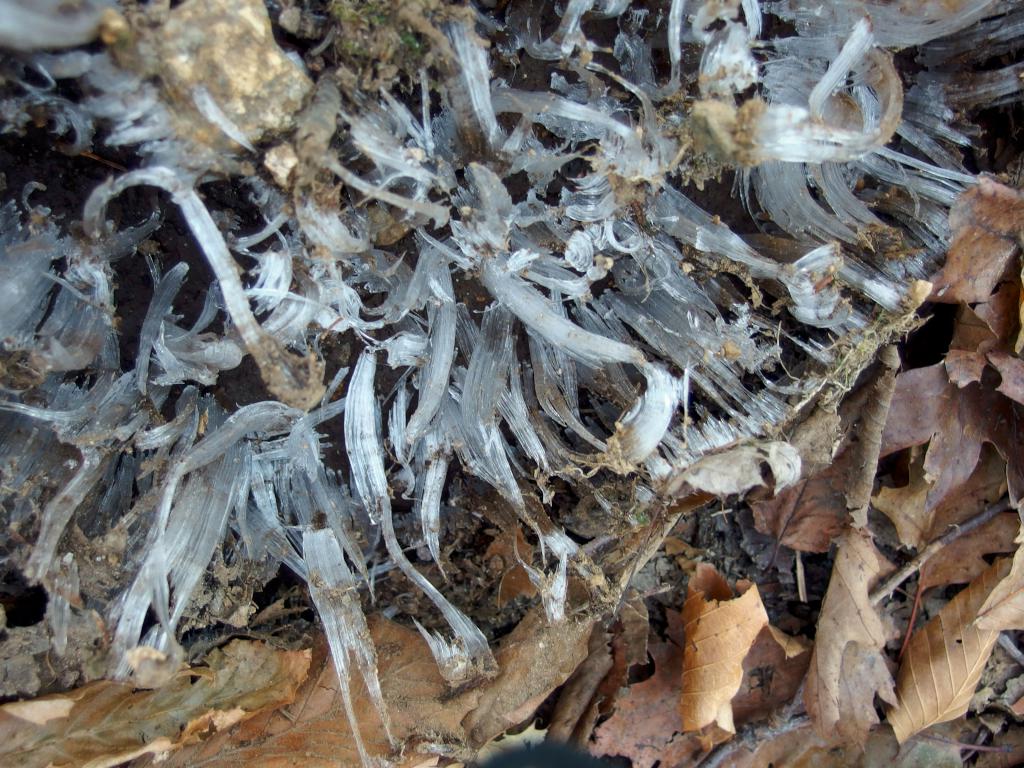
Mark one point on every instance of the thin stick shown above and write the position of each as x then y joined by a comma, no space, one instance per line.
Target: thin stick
910,624
926,554
869,446
963,745
801,583
1011,648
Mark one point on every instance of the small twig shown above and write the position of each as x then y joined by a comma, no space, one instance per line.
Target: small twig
963,745
1011,648
869,446
926,554
910,624
801,582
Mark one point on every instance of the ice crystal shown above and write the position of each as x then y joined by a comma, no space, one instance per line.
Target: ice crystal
523,271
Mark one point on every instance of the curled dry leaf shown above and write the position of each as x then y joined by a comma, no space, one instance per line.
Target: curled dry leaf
739,469
848,667
720,629
105,724
944,659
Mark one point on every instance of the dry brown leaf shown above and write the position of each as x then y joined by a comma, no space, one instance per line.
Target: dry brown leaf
963,560
1011,369
810,514
906,506
772,673
964,367
315,726
645,722
803,748
956,423
986,222
1001,313
575,704
106,723
1012,741
1004,607
917,524
533,660
944,660
848,667
720,629
504,558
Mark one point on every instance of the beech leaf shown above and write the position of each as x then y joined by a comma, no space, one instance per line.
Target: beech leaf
944,659
848,666
720,629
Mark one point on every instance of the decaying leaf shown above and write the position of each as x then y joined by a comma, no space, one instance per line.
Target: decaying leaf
645,725
315,726
772,673
1011,369
106,723
720,629
503,558
963,560
739,469
944,660
848,667
986,221
533,660
575,704
803,748
906,505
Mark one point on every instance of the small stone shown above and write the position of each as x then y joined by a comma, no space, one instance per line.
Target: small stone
227,47
281,161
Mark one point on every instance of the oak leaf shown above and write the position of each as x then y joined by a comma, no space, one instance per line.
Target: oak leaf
917,524
955,422
720,630
107,723
944,659
848,667
1004,607
986,222
645,723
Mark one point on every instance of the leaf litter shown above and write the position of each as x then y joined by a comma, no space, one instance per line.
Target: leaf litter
619,644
